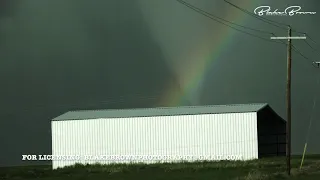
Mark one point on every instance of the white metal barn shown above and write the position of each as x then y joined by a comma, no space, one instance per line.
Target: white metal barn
247,130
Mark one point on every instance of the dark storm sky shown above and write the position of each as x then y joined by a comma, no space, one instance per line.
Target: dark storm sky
58,55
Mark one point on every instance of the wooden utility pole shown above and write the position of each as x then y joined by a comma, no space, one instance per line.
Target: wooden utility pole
288,93
288,129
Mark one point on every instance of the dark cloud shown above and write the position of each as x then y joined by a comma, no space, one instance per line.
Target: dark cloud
59,55
63,55
7,8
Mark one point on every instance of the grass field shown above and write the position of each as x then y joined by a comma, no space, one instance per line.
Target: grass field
268,168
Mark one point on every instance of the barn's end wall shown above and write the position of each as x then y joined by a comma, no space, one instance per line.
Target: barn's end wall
204,135
271,133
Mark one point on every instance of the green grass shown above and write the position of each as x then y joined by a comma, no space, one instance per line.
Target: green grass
263,169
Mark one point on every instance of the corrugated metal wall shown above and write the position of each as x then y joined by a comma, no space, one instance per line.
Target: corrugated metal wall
196,135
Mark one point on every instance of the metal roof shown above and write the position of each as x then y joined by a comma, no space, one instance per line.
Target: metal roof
161,111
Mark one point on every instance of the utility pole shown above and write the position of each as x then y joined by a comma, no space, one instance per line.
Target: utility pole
288,129
288,96
317,65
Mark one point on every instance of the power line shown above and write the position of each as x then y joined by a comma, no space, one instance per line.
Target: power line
278,24
274,23
294,49
314,49
219,20
215,18
288,102
245,27
311,39
299,52
271,22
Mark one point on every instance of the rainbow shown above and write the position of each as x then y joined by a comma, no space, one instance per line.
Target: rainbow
205,53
